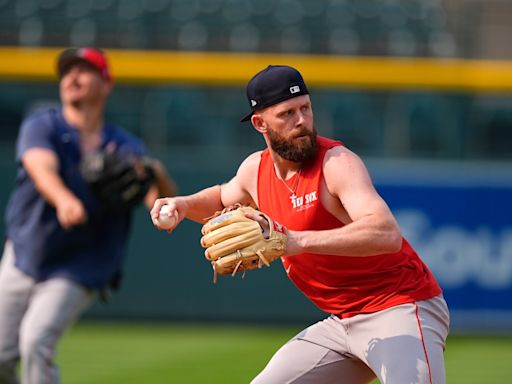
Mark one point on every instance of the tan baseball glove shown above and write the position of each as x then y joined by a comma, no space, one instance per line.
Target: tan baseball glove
236,243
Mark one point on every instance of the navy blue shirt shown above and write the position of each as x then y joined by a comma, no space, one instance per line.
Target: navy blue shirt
90,254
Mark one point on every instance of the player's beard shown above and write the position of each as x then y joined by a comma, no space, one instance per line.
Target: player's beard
288,149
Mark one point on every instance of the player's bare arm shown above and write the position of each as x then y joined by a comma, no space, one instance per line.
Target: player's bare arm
243,187
195,207
42,165
370,228
203,204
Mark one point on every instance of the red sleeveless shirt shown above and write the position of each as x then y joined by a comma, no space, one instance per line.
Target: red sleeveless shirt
341,285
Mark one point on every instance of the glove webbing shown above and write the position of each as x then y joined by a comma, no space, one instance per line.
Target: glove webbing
262,260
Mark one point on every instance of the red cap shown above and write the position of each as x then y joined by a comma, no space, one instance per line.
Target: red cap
93,56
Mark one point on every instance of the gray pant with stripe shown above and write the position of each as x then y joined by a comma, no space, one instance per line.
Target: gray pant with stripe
400,345
33,316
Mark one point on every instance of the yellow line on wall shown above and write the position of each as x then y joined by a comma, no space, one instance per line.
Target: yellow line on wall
235,69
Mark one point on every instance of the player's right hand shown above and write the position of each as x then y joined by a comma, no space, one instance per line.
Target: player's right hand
70,212
174,207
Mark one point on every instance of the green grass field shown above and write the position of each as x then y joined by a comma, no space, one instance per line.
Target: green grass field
112,353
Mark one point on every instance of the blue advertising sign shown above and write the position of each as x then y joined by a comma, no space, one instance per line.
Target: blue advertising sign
459,220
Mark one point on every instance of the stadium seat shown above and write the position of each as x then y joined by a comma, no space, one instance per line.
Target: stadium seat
343,41
401,42
244,37
155,6
295,40
78,9
192,36
31,31
83,33
183,10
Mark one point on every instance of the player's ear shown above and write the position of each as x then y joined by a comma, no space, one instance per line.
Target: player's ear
107,87
258,123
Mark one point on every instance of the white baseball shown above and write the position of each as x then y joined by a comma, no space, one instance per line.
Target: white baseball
166,221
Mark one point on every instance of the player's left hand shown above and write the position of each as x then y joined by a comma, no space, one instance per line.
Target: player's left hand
120,181
242,238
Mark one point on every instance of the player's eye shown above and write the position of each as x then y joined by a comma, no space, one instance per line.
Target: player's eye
285,114
305,108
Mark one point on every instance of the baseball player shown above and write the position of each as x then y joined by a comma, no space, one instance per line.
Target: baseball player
63,244
344,250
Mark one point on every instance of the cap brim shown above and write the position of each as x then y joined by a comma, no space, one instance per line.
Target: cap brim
247,118
65,62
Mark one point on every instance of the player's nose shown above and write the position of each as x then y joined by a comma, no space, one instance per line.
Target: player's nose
301,120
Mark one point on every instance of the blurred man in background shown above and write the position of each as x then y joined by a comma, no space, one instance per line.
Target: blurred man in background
345,251
64,240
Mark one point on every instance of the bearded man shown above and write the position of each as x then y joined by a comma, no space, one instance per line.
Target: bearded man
345,251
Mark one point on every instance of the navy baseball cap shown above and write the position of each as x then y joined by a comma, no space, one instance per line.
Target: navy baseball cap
272,85
93,56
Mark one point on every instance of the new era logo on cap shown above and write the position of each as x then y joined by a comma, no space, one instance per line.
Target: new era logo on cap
272,85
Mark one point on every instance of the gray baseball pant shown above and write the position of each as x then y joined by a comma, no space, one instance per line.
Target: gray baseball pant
33,316
402,344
